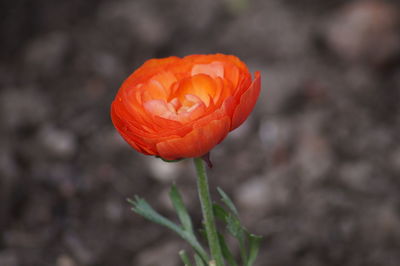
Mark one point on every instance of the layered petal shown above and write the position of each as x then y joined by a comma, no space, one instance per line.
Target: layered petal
196,143
247,102
182,107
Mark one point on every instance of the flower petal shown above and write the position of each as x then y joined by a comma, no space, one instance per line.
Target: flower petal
247,102
196,143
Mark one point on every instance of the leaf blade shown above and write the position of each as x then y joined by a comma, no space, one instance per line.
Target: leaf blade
180,208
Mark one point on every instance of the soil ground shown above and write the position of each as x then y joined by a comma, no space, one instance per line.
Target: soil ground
316,166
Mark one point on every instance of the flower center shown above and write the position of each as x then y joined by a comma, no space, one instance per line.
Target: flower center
184,99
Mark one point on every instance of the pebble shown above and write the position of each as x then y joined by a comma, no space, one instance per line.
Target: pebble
21,107
163,171
365,32
80,250
58,142
138,20
8,258
47,53
65,260
313,154
263,194
356,174
165,254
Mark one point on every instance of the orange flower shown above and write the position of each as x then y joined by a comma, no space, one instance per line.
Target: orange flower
182,107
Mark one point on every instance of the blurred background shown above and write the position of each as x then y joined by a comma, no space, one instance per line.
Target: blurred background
316,166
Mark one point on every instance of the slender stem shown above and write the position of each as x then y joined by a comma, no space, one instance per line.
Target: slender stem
208,214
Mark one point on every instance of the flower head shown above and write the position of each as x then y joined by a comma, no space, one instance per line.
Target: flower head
182,107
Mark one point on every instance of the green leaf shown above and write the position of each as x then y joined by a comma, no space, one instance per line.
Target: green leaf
141,207
198,260
228,202
180,208
220,213
226,252
254,246
235,228
203,234
185,258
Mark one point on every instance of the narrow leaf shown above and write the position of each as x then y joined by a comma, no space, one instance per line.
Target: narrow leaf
198,260
180,208
228,202
185,258
226,252
220,213
141,207
203,234
254,246
235,228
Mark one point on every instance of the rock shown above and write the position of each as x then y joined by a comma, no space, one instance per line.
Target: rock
263,194
356,174
107,65
165,254
383,223
279,33
65,260
114,210
395,160
276,133
8,258
139,20
365,32
8,166
46,54
20,108
83,254
163,171
280,83
313,155
57,142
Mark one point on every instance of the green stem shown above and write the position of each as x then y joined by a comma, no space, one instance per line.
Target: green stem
208,214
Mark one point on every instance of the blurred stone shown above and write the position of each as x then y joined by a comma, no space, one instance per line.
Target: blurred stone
83,254
57,142
279,33
281,83
107,65
47,53
389,221
260,195
199,14
313,154
138,19
163,171
356,174
253,193
383,223
276,133
65,260
8,258
164,254
395,160
113,210
8,166
39,209
21,108
365,31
